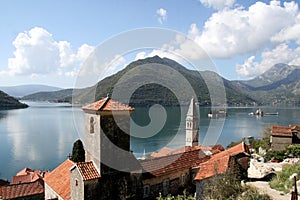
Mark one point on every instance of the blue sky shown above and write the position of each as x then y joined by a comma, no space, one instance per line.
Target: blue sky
45,42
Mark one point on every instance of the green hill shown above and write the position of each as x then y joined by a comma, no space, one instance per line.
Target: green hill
152,93
8,102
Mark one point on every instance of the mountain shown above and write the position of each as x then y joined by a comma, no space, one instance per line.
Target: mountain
278,85
9,102
23,90
152,93
64,95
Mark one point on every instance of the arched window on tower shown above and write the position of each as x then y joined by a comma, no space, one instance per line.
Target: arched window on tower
92,125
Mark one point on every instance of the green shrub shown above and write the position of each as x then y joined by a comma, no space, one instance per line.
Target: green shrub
281,182
276,155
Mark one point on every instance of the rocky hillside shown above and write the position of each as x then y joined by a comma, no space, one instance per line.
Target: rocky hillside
278,85
8,102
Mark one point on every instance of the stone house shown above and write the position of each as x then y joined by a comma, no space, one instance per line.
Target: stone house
233,160
174,172
282,136
84,180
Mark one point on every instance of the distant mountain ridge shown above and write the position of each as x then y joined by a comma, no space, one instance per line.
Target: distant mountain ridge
9,102
23,90
280,84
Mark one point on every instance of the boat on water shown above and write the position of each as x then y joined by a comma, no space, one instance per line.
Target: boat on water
260,112
217,114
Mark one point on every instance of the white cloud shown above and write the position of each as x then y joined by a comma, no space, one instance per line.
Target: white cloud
162,15
218,4
238,31
37,53
140,55
280,54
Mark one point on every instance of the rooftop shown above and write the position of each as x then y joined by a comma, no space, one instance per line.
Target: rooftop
219,162
284,131
22,190
107,104
28,175
167,151
87,170
59,179
172,163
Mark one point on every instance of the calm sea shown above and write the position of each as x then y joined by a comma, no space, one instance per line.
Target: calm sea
41,136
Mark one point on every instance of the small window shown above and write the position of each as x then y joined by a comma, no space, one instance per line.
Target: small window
92,124
146,191
166,184
183,179
76,182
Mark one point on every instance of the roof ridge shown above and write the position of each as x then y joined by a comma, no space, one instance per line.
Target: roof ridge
105,102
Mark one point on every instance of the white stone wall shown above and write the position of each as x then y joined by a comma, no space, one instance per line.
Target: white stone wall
51,194
92,140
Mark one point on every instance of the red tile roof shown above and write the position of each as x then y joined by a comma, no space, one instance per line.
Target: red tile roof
87,170
59,179
213,167
173,163
107,104
167,151
22,190
284,131
218,163
28,175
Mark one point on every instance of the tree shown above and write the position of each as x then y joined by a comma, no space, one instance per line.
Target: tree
78,152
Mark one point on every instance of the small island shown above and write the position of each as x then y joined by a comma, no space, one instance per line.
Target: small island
9,102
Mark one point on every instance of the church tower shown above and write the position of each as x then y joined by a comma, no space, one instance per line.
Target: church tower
103,137
192,125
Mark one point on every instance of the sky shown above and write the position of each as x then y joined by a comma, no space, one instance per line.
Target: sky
47,42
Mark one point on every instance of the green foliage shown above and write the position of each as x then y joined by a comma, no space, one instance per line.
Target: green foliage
276,155
282,181
78,153
9,102
293,150
264,142
178,197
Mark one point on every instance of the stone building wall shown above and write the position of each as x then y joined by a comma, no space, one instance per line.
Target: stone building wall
176,182
77,185
51,194
279,143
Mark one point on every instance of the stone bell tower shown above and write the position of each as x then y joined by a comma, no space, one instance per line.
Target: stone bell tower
192,125
104,137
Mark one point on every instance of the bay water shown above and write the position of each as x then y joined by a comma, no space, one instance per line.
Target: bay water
41,136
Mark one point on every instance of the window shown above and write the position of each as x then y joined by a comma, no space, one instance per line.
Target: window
166,184
183,179
92,124
76,182
146,191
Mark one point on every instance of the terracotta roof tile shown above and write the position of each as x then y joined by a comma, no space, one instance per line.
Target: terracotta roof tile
59,179
281,131
167,151
218,163
28,175
88,170
107,104
22,190
173,163
212,167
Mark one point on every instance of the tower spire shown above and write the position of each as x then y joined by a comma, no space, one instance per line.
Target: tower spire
192,125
